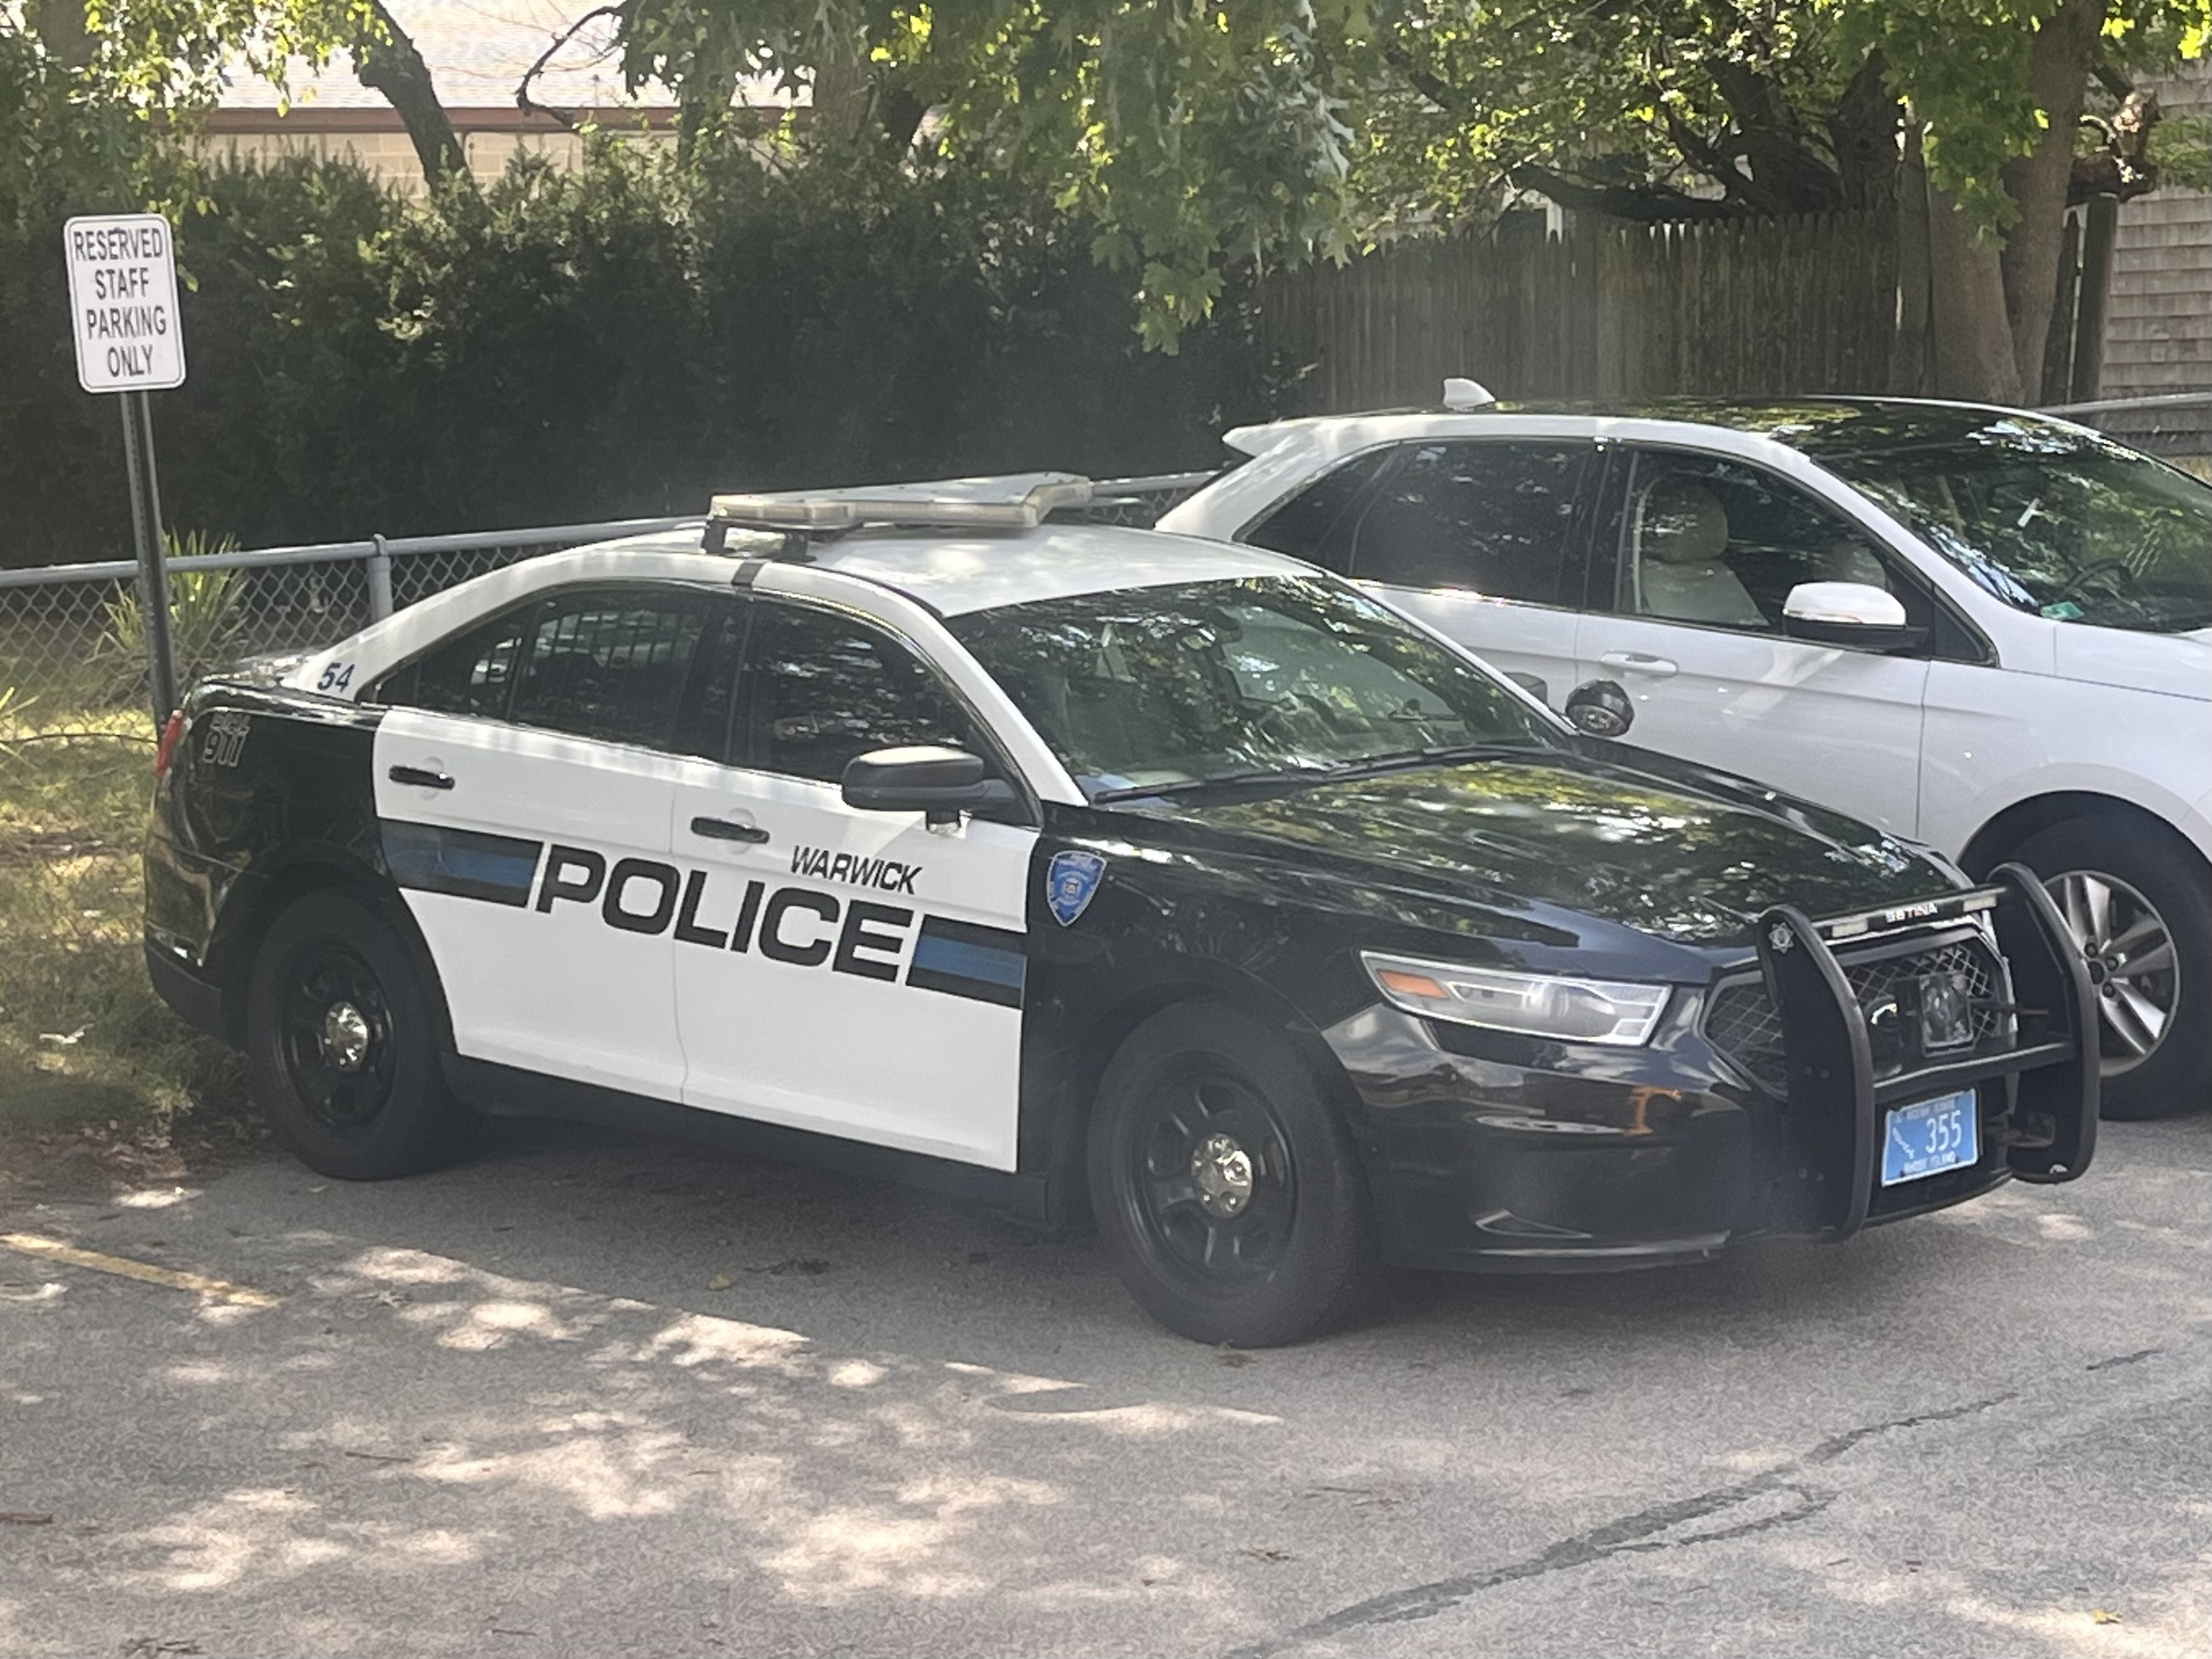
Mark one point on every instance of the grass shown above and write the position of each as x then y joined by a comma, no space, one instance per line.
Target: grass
83,1040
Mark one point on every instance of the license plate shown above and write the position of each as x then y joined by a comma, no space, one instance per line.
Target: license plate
1929,1137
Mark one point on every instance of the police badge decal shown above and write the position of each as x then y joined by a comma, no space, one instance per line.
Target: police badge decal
1069,881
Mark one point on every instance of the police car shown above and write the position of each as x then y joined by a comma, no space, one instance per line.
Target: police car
1096,873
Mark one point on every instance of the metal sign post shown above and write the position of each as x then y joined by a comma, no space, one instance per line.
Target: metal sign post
130,338
152,554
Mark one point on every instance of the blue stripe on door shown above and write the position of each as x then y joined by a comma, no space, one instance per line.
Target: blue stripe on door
433,858
962,959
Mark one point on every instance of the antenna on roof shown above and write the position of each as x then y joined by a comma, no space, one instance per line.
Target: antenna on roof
1017,501
1461,394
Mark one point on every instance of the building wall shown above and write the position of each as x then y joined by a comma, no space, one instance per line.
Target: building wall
375,140
2158,332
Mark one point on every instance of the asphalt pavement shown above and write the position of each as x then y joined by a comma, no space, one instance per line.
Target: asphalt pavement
593,1395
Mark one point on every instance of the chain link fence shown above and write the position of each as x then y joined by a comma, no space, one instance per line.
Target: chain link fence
72,640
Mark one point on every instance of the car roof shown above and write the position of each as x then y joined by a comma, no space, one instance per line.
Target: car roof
953,573
1814,425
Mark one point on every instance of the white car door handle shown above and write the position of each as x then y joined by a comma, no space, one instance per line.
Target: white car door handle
1638,662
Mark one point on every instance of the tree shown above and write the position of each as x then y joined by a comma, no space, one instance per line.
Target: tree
83,81
1191,134
1965,114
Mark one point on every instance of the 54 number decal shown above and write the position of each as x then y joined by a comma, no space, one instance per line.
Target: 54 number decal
336,677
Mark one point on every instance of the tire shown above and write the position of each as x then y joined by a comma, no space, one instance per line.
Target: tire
342,1045
2112,880
1226,1193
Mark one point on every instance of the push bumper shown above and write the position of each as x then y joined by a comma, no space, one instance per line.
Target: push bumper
2047,1074
1493,1153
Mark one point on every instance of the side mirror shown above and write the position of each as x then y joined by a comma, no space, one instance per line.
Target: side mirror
927,778
1850,613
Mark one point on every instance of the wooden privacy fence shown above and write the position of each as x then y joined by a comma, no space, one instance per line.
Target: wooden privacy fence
1767,307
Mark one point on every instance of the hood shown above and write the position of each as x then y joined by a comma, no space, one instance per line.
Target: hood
1625,838
2175,664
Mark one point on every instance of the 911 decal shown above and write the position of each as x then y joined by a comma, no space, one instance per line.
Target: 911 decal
801,926
226,732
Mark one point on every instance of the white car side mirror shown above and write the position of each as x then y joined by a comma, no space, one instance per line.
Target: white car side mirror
1850,603
1850,613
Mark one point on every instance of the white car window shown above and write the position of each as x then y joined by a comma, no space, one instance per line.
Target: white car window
1719,544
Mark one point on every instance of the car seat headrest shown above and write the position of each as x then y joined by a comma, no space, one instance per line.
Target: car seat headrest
1682,522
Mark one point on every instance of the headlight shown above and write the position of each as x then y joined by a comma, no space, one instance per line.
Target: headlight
1623,1013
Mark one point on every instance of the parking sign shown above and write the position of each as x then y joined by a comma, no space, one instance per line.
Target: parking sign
123,302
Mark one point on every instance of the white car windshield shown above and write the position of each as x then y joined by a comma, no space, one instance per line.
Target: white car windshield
1151,689
2050,519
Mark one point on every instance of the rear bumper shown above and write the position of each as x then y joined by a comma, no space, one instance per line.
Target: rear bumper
1494,1153
196,998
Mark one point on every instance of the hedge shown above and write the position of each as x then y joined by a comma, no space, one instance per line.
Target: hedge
624,339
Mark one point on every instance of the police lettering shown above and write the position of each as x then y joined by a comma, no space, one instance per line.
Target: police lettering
803,927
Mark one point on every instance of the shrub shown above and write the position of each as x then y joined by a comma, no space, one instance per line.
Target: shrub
206,628
620,339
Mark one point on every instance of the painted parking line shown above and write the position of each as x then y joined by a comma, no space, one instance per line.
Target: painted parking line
52,1250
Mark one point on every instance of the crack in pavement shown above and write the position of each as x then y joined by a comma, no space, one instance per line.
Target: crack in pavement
2118,1360
1628,1534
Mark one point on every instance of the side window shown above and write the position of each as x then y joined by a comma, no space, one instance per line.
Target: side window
822,689
1316,523
471,675
1495,518
705,717
1716,542
611,664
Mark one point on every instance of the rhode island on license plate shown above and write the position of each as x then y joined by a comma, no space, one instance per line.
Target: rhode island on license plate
1929,1137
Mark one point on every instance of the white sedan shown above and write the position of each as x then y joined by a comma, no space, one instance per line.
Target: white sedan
1985,629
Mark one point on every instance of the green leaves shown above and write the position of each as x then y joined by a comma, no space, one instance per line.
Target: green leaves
1191,135
1759,107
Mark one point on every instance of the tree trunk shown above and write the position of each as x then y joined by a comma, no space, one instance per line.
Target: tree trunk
63,29
1908,346
387,61
702,105
1974,355
2058,78
838,101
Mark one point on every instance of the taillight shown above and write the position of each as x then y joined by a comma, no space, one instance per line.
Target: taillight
167,751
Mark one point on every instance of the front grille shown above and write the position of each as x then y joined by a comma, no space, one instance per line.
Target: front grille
1745,1025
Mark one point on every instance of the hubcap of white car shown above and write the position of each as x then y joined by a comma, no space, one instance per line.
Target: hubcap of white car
2131,962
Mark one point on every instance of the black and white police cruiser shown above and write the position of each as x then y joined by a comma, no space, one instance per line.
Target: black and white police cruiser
1089,871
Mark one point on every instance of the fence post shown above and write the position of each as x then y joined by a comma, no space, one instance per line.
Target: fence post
379,581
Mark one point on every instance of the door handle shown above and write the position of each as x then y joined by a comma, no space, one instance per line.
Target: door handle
1639,662
422,777
723,829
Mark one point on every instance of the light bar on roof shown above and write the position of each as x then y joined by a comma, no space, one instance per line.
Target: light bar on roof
1017,501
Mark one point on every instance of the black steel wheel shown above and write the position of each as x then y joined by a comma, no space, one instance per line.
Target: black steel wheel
335,1036
2137,903
343,1045
1225,1190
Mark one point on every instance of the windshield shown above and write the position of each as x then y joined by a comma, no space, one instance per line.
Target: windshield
1212,681
2063,523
